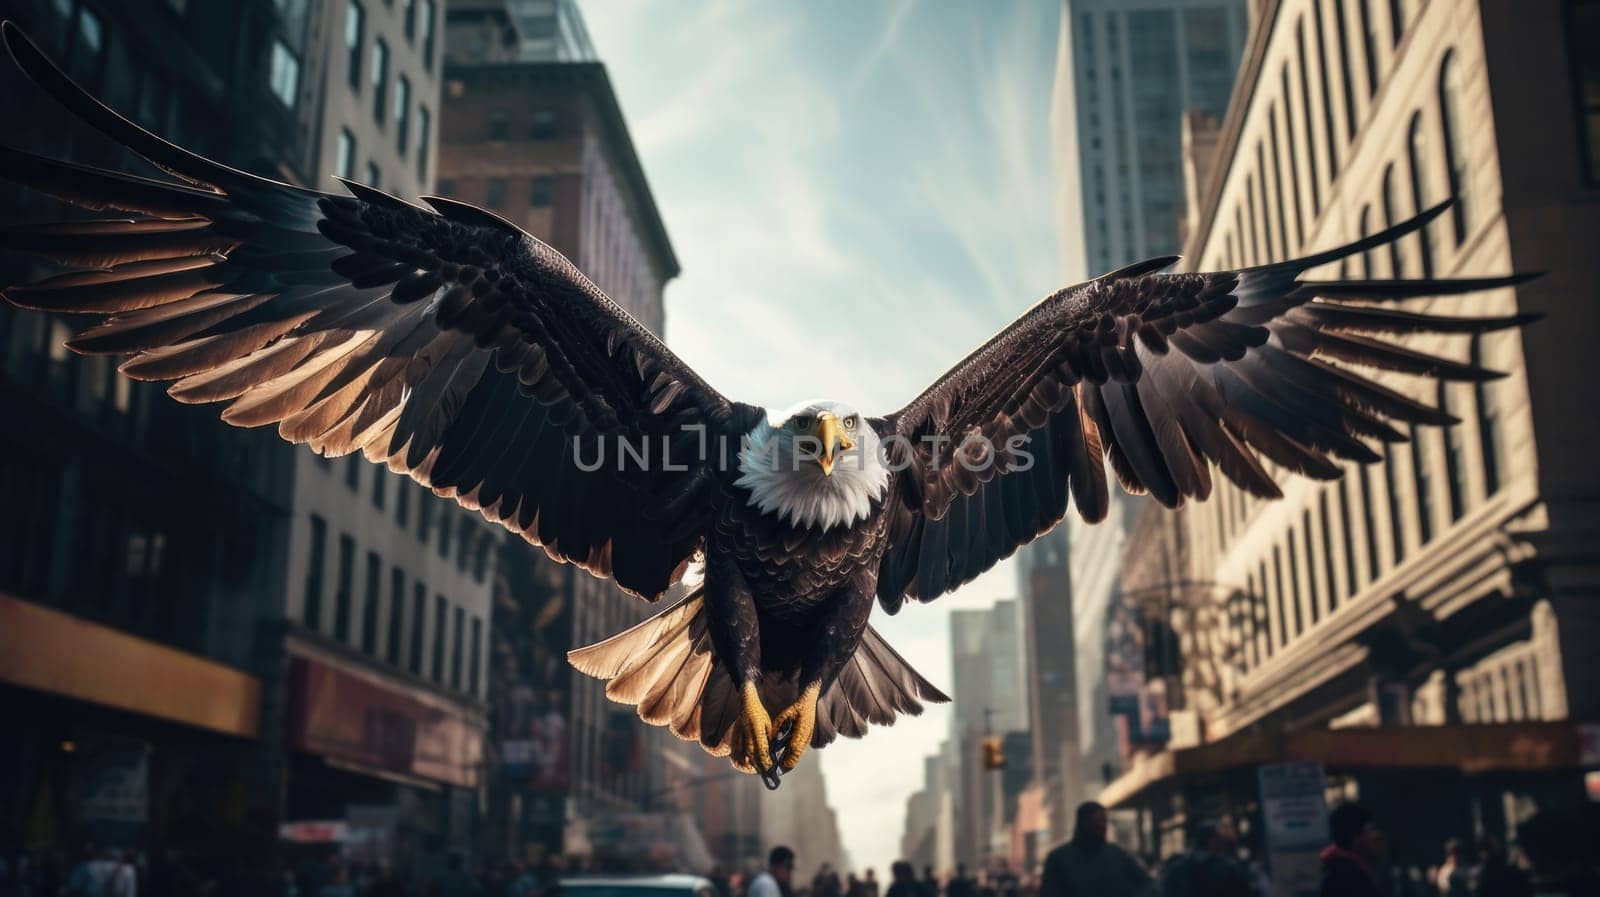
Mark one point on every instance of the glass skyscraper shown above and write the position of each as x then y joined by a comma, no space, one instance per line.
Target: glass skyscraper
1128,71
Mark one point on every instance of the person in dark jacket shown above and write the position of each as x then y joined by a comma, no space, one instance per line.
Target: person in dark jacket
1347,862
902,880
1090,866
1494,876
1211,868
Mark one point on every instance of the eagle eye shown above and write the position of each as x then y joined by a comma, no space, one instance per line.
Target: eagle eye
850,422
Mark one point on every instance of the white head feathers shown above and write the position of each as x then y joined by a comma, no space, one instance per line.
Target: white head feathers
779,464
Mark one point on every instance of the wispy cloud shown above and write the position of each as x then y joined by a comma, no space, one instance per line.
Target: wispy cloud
859,194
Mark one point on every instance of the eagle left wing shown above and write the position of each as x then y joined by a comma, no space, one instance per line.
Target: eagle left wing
1165,375
447,344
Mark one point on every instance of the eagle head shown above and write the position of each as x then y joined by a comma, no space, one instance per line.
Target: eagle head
815,465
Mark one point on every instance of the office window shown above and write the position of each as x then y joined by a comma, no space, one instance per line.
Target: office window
1397,528
352,472
402,113
355,25
1312,592
441,620
1352,580
1422,475
380,78
1256,257
402,500
284,75
1488,411
494,193
408,16
1397,20
1417,156
425,506
424,139
457,655
312,613
1455,147
369,613
380,487
1583,48
374,175
1329,134
1264,614
480,561
342,596
419,623
499,125
1329,568
425,21
475,661
397,614
1364,230
1274,191
1291,185
1391,212
1346,78
445,532
1453,452
345,164
540,188
544,125
1281,594
464,541
1370,518
1369,42
1305,118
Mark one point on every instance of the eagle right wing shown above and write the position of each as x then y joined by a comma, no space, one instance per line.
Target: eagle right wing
449,345
1165,375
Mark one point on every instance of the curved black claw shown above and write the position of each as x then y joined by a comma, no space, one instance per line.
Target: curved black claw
777,748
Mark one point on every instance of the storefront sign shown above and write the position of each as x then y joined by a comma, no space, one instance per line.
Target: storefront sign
322,831
338,714
1296,819
116,780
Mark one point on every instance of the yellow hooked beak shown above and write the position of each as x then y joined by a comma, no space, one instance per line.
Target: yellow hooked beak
833,438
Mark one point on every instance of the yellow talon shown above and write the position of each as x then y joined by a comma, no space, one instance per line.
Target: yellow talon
751,751
803,713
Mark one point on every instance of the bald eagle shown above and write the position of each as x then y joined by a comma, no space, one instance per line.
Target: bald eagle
448,344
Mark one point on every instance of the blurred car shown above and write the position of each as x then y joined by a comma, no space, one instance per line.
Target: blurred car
638,886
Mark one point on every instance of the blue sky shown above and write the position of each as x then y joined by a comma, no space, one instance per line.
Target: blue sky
859,193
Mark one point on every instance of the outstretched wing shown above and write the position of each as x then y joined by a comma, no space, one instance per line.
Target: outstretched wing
1165,375
451,346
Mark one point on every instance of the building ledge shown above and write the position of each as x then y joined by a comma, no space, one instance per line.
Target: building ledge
1470,749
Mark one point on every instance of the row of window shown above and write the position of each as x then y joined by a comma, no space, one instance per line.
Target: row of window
466,539
449,654
418,16
540,190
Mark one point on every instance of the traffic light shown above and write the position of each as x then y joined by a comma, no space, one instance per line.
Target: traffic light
994,752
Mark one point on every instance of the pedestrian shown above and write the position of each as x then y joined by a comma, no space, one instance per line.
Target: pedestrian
1453,878
1091,865
1494,876
775,880
1560,861
902,880
1211,867
339,884
457,881
852,886
929,883
385,884
961,885
1347,862
869,885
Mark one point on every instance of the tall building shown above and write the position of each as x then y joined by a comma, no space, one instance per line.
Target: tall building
1126,71
551,31
1045,590
545,145
295,595
1419,623
988,699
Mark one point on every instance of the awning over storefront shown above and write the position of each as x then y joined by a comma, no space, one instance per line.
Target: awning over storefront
366,721
1470,749
56,653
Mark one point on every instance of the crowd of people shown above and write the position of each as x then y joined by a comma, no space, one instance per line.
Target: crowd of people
1554,857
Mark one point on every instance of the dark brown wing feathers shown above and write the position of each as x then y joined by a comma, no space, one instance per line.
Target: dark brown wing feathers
1163,375
448,345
